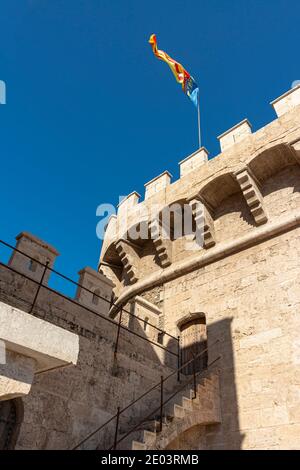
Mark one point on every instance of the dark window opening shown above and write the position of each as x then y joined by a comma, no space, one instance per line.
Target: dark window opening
146,320
96,297
193,339
32,265
11,416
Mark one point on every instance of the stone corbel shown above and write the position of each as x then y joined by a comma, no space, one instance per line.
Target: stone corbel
295,147
252,195
204,222
162,244
130,255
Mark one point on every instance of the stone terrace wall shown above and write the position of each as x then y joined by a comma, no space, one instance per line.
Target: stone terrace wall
66,405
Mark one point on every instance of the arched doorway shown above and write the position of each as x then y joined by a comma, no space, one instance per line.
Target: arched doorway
11,415
193,341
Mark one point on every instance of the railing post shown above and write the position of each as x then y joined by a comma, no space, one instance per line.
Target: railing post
118,332
161,402
178,358
194,376
117,426
39,287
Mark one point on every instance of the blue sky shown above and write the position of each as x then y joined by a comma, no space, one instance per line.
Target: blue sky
91,114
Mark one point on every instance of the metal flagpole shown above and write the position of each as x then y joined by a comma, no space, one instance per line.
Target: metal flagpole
199,126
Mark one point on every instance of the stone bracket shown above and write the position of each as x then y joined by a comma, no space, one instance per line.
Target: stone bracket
162,244
204,222
252,195
295,148
130,255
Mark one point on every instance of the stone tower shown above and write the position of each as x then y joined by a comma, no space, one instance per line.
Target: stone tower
242,283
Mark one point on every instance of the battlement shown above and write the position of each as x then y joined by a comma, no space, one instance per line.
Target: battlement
234,188
31,257
229,141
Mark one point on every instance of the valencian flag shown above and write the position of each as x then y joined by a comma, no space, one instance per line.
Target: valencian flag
187,82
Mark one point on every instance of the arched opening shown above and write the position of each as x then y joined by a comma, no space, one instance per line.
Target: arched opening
227,205
11,416
278,172
193,341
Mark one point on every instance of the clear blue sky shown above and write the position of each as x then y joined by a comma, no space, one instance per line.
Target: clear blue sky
91,113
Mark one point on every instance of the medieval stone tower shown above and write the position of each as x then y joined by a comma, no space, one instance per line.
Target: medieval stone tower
214,330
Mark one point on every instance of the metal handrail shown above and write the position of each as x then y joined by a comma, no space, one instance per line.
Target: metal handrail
88,309
164,379
119,325
162,404
63,276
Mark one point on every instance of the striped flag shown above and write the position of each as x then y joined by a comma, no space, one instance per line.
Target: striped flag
188,84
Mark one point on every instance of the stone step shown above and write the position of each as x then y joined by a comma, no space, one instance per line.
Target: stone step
179,406
138,446
179,411
187,403
149,438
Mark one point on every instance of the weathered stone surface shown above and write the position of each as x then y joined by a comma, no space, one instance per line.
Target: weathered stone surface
193,161
252,195
99,293
16,376
246,285
161,243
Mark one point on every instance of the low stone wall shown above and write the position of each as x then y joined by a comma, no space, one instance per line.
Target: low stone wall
66,404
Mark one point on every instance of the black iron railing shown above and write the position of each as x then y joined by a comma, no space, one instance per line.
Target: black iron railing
40,284
160,409
160,385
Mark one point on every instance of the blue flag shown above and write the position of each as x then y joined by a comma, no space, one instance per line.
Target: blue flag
192,91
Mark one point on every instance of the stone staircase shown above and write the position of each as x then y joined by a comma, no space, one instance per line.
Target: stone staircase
181,413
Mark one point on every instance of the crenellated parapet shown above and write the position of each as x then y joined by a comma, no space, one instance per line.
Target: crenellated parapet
226,195
234,135
252,194
287,101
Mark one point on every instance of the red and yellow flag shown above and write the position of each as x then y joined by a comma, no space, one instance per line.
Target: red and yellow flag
189,86
178,70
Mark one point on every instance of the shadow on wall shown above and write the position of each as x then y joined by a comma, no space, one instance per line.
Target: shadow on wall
216,436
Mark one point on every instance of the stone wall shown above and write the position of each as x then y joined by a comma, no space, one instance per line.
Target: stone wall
66,404
251,302
246,281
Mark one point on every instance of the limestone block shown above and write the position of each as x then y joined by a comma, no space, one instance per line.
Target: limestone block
161,243
128,203
130,255
99,285
49,345
252,195
149,313
260,338
205,232
235,134
275,415
157,184
37,249
198,158
287,101
16,376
